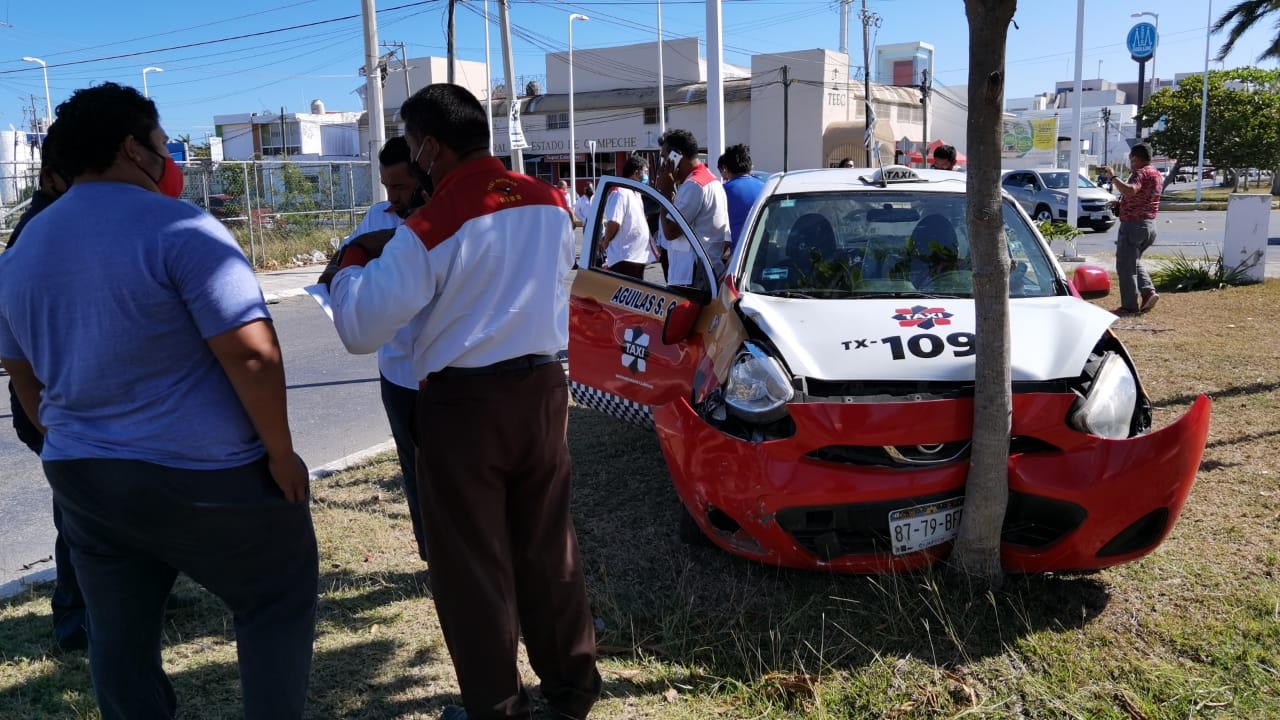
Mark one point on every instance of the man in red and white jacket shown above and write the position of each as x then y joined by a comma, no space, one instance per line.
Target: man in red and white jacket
700,199
485,262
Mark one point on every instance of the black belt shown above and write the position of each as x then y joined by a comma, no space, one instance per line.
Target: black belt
524,362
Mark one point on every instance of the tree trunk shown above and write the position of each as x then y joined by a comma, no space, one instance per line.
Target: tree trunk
977,549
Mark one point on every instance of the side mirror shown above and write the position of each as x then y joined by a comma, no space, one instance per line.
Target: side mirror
680,321
1091,282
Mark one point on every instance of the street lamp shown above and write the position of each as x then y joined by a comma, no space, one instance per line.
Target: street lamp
573,147
146,70
48,104
1156,16
1204,103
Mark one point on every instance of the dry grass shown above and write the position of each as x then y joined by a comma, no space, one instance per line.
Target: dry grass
1191,631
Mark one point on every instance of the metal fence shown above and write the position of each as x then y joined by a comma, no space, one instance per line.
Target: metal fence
282,212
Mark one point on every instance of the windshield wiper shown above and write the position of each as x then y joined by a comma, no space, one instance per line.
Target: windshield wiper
787,294
907,294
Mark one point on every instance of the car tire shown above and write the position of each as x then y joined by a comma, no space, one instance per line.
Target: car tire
1042,214
689,532
1102,227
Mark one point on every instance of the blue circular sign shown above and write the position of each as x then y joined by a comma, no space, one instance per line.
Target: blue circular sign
1142,41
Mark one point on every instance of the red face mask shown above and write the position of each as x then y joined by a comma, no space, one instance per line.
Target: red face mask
170,182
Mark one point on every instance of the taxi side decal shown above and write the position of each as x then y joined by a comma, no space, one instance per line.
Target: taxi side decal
612,405
639,300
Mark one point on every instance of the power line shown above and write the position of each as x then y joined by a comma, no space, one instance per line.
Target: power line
219,40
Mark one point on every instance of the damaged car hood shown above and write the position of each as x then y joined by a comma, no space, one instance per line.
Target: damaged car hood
921,339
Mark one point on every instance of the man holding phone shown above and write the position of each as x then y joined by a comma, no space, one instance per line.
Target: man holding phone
696,193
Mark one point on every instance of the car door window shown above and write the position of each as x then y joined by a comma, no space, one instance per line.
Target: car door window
637,208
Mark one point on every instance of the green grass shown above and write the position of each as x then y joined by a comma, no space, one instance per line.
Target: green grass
1191,631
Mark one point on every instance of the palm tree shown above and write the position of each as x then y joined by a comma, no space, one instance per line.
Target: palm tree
1246,15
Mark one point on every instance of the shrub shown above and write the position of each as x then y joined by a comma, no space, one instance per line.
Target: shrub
1184,274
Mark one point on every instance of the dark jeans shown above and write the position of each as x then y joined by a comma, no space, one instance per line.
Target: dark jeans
494,472
132,526
67,603
400,404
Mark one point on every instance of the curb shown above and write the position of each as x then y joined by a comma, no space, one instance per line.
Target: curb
275,297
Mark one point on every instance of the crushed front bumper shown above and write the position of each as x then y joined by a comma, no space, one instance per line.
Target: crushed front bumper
1077,501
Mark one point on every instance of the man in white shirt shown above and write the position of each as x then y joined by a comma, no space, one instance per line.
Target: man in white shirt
582,206
700,199
398,379
625,242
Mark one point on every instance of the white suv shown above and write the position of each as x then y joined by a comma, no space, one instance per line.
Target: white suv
1043,194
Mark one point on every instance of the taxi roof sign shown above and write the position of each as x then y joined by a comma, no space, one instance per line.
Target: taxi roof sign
895,174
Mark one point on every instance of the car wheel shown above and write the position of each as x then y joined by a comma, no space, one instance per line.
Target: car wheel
1102,227
1043,214
689,532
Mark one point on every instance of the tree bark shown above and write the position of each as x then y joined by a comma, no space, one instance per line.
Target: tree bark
977,549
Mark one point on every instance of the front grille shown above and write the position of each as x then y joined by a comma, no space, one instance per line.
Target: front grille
894,456
881,391
1032,521
856,529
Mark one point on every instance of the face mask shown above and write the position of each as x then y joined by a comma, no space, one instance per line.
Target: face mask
422,176
645,178
170,182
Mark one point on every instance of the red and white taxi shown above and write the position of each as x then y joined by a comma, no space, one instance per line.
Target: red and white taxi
815,405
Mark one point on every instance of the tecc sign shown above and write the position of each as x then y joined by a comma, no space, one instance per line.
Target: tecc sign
1142,41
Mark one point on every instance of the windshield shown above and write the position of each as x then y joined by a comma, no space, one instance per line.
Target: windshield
1059,180
851,244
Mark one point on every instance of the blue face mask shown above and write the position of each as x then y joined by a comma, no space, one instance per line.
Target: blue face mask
645,178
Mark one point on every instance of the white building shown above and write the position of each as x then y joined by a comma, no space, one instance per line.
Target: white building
315,135
19,165
793,109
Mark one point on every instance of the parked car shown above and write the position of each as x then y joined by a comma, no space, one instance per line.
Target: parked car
1043,194
815,404
231,210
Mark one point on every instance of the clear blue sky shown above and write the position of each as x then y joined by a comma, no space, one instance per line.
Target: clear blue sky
88,42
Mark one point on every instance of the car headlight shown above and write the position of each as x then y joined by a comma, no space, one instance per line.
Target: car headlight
1060,200
1107,411
758,389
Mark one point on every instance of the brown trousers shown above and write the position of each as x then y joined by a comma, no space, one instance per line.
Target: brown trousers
494,482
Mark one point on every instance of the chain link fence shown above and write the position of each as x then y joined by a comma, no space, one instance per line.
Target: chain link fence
283,213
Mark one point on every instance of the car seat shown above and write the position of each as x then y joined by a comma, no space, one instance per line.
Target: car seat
810,235
936,250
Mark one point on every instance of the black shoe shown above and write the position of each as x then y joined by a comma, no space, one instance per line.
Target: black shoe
454,712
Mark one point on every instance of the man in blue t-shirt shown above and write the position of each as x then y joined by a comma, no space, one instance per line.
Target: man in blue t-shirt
740,186
138,341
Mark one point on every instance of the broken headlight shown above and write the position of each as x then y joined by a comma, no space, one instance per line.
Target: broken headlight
758,389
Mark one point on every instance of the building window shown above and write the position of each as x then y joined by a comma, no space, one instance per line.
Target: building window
910,114
651,115
558,121
904,72
270,139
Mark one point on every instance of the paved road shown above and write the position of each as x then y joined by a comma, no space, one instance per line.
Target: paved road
1194,233
334,408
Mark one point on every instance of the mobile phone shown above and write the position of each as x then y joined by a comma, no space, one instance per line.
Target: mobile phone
674,157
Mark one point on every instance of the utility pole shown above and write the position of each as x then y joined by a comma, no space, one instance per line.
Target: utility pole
509,73
715,81
1106,135
395,45
786,115
453,50
926,87
844,26
284,137
868,115
373,98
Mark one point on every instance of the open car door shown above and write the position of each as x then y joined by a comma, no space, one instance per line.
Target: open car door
619,361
